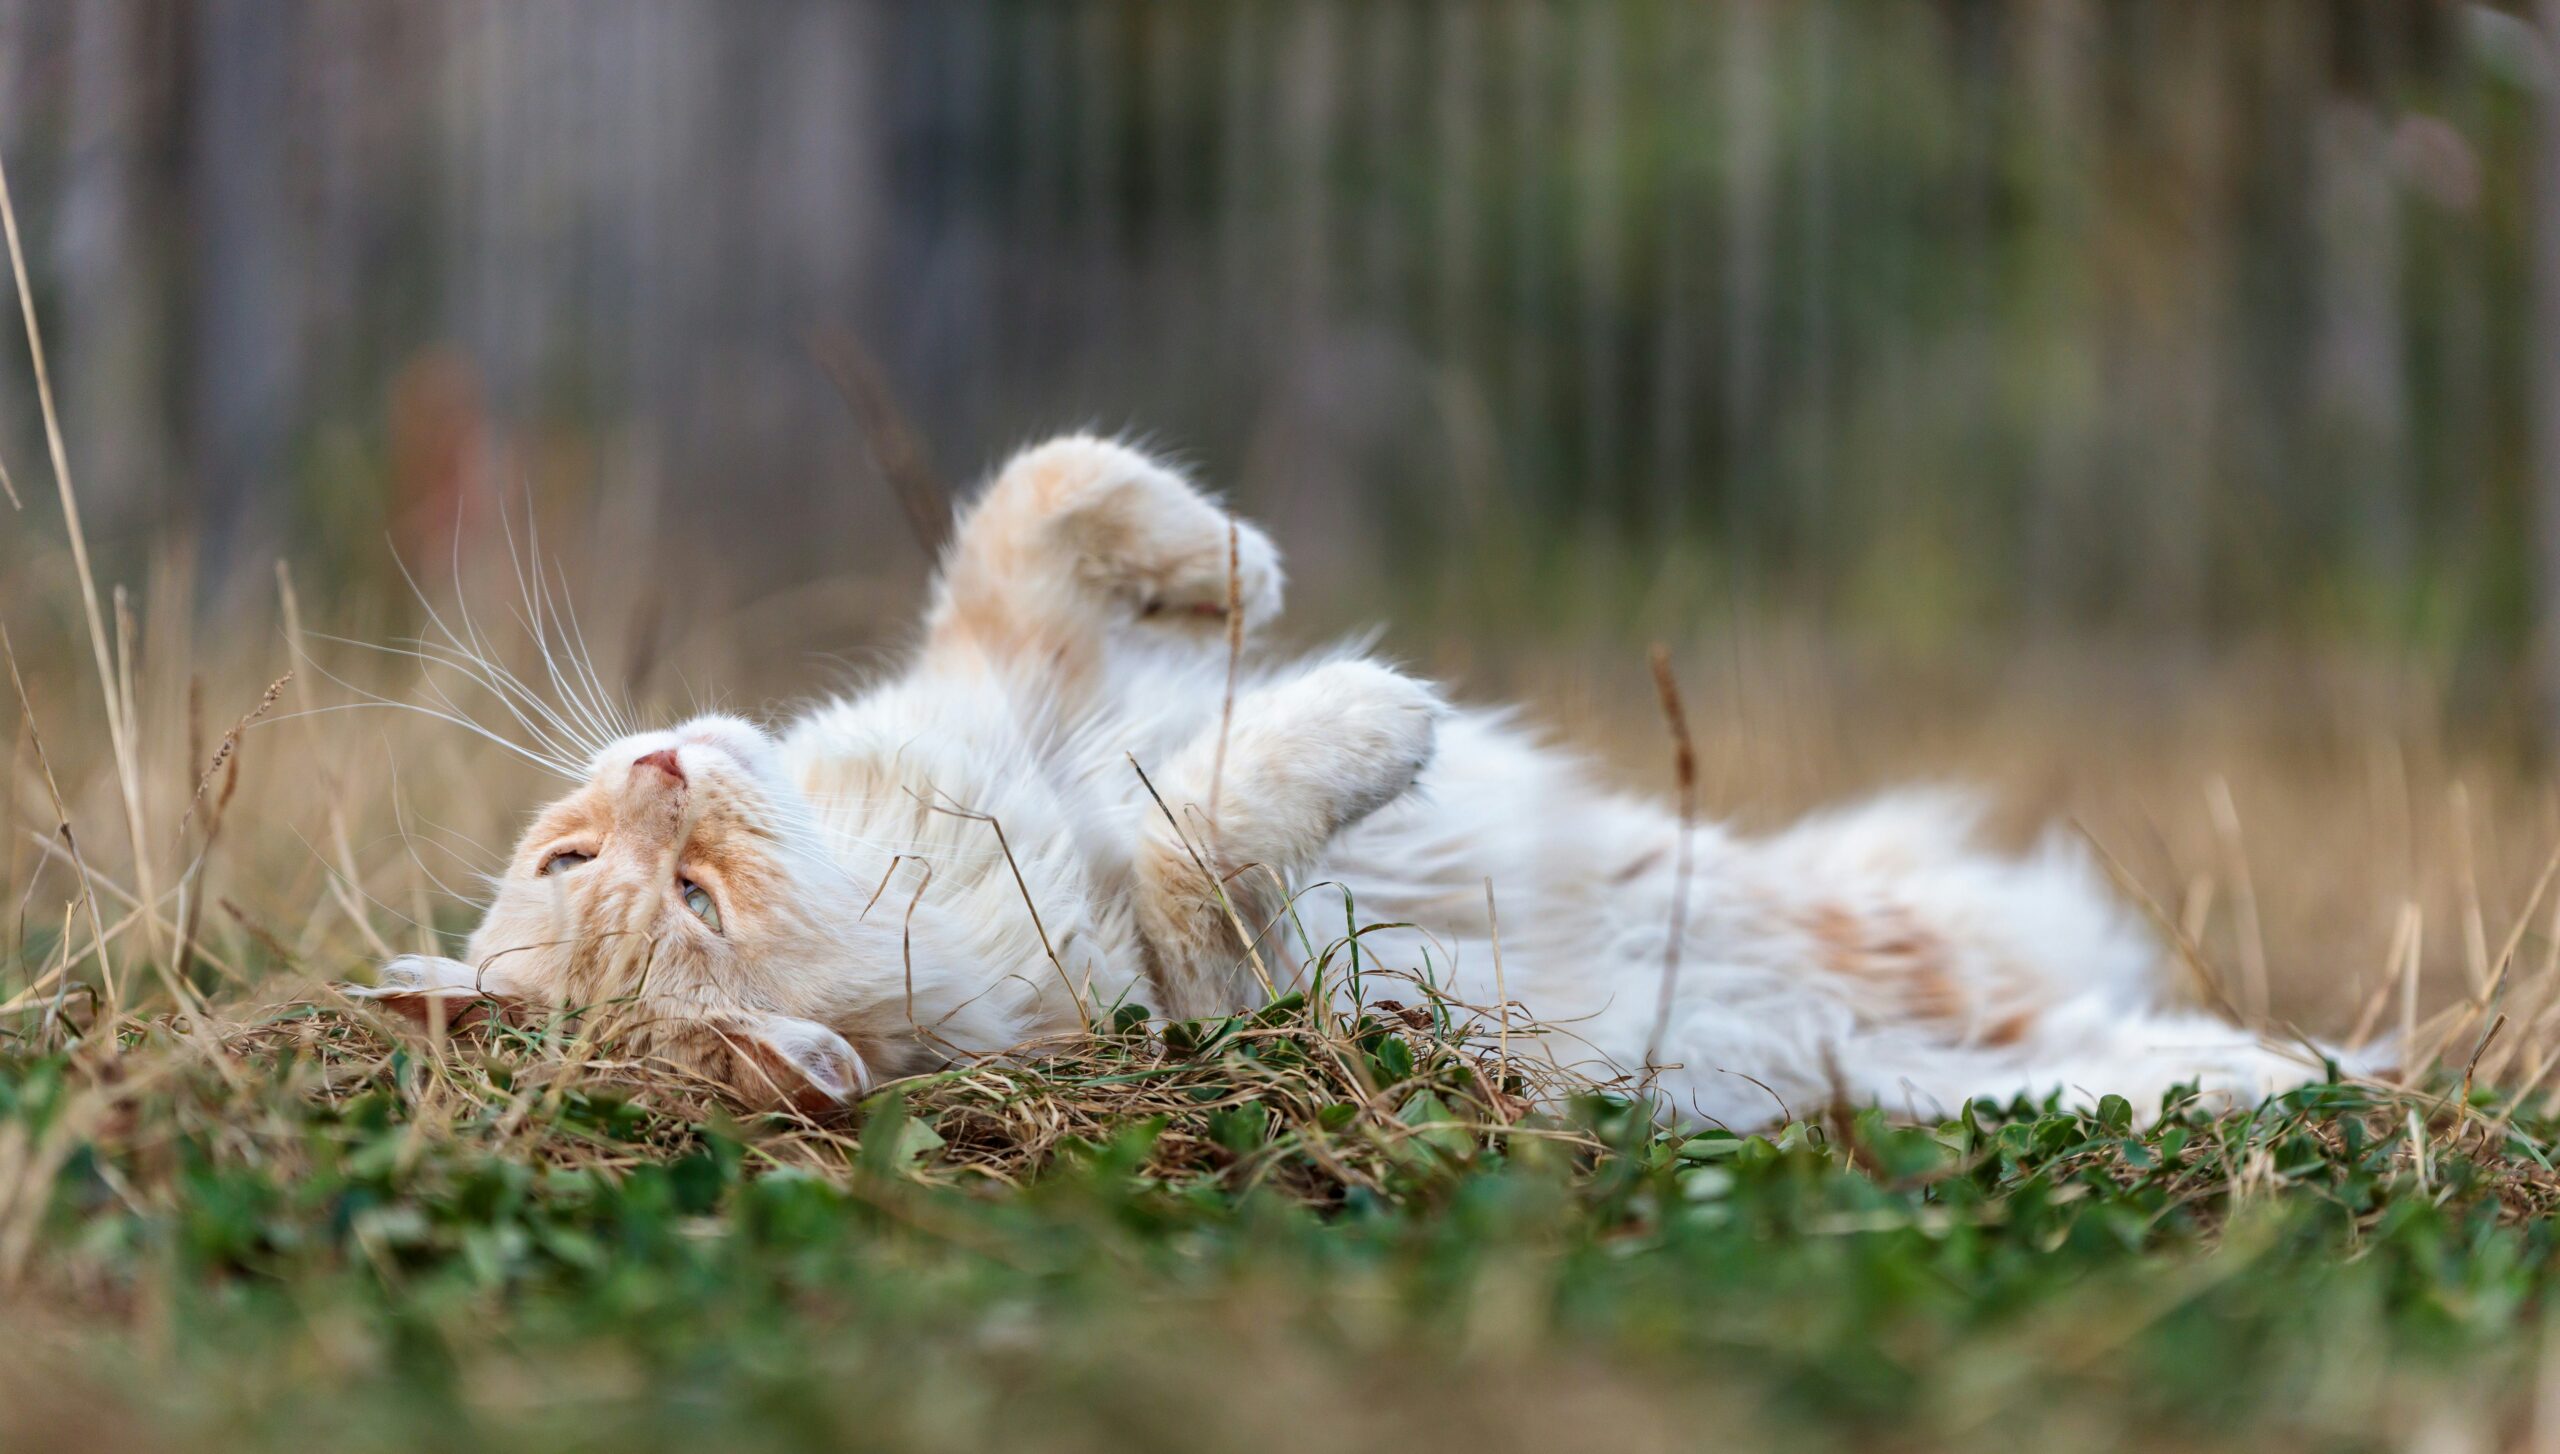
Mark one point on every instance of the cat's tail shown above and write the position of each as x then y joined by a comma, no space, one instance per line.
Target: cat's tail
1972,973
2087,1053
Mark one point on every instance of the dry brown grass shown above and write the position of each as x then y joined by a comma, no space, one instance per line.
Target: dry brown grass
1324,1114
2313,827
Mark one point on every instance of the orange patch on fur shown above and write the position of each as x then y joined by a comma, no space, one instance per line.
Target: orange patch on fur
747,877
1890,952
2010,1029
1194,957
582,814
1001,545
1912,970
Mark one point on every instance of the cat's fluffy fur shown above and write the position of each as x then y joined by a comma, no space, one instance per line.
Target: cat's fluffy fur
966,858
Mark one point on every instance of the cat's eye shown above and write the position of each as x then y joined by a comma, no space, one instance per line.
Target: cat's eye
565,860
698,899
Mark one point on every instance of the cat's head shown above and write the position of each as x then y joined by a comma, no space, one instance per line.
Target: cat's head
684,894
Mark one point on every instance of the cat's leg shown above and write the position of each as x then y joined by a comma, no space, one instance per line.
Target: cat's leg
1081,542
1304,758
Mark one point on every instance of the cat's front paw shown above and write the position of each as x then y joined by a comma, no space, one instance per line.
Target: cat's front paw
433,990
412,972
1350,736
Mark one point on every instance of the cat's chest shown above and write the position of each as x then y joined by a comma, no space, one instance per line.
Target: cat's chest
959,783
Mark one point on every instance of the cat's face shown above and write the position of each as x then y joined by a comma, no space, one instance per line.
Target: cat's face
684,890
669,875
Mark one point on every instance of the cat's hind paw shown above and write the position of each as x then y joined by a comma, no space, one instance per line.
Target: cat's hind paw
1129,530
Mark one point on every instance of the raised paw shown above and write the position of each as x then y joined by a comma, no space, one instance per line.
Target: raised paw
1139,532
1081,538
1353,734
1256,801
1311,755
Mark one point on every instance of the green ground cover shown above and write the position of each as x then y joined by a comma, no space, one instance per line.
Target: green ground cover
1266,1233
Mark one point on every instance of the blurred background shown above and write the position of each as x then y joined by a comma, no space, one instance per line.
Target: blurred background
2192,319
2147,408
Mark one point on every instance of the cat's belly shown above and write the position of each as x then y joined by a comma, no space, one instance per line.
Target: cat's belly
949,811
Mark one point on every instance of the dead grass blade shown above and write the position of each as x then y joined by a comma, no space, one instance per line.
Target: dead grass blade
119,730
1684,763
895,448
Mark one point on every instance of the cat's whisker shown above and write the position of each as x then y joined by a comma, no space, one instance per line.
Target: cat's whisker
533,586
616,713
569,753
474,650
409,845
563,686
353,886
549,738
409,839
524,704
475,645
548,733
462,847
556,769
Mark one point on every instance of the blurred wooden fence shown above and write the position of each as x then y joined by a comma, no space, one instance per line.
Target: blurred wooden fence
2177,315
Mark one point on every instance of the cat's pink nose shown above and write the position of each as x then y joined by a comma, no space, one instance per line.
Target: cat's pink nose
664,760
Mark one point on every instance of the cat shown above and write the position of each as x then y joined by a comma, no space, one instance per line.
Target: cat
1074,797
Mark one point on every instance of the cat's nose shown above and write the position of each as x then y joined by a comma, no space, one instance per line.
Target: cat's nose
664,760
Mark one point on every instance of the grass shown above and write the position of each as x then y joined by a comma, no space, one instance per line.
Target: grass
339,1236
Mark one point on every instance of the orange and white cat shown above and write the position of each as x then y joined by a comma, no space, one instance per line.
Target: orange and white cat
965,858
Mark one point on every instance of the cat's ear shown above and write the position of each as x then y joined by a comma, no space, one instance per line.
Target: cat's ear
431,991
799,1065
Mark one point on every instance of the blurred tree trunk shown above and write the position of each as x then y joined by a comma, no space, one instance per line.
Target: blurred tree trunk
245,371
2545,346
2358,383
1751,175
1600,79
2056,70
108,308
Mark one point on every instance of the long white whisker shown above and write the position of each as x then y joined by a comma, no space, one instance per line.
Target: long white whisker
617,713
465,723
508,694
480,858
555,738
409,841
536,625
475,650
518,698
479,647
534,593
352,885
533,589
